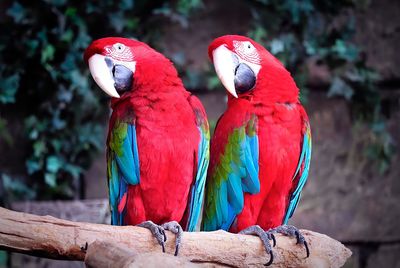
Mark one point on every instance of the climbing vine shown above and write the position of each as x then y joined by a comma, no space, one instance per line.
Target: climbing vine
43,77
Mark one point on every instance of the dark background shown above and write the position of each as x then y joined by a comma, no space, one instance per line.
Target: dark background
343,55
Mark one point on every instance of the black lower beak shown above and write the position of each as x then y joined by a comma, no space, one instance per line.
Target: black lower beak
245,79
123,78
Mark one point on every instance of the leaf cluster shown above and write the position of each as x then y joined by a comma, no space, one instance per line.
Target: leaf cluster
43,78
298,31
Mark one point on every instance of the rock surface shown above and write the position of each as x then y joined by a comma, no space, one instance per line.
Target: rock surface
378,32
346,197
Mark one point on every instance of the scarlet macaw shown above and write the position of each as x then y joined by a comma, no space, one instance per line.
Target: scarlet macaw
261,148
158,140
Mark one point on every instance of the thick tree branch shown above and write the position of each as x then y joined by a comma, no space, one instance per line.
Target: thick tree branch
50,237
105,255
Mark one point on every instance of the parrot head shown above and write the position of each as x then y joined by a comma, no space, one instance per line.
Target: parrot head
121,66
246,68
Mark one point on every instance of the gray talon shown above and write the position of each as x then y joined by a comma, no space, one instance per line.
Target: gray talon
290,230
157,231
175,228
273,239
271,259
265,238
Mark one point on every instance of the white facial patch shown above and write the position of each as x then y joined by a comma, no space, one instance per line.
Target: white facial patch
248,54
247,51
119,52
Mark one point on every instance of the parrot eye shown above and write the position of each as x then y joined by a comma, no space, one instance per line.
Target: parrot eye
119,52
119,47
249,46
247,51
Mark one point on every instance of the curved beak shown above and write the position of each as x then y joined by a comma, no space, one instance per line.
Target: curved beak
224,64
102,74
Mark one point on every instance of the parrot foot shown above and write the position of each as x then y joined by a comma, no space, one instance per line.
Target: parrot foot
290,230
175,228
84,248
157,231
265,238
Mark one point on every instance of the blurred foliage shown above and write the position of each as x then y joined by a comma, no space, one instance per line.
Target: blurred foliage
44,80
322,31
16,190
43,77
179,11
204,78
317,35
297,31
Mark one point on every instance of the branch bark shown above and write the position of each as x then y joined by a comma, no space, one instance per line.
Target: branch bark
106,254
46,236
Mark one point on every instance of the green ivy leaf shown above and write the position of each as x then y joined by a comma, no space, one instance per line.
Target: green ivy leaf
32,45
117,20
17,12
53,164
50,179
58,3
298,8
179,58
131,23
82,40
67,36
126,4
17,188
185,7
43,49
47,53
39,148
277,46
69,63
64,95
57,122
4,133
57,145
340,88
9,87
71,12
79,82
74,170
32,166
213,82
259,34
345,51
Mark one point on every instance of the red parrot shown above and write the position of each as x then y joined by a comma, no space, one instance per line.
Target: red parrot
158,139
261,148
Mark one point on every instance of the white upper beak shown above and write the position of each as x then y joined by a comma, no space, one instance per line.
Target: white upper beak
102,75
225,68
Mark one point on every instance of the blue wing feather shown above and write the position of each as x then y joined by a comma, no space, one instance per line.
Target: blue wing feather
128,161
235,196
251,183
197,191
302,170
203,158
123,167
236,174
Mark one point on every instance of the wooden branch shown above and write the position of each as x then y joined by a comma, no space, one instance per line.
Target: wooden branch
46,236
106,254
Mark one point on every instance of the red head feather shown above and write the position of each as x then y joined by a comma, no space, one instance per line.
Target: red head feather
152,69
274,83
